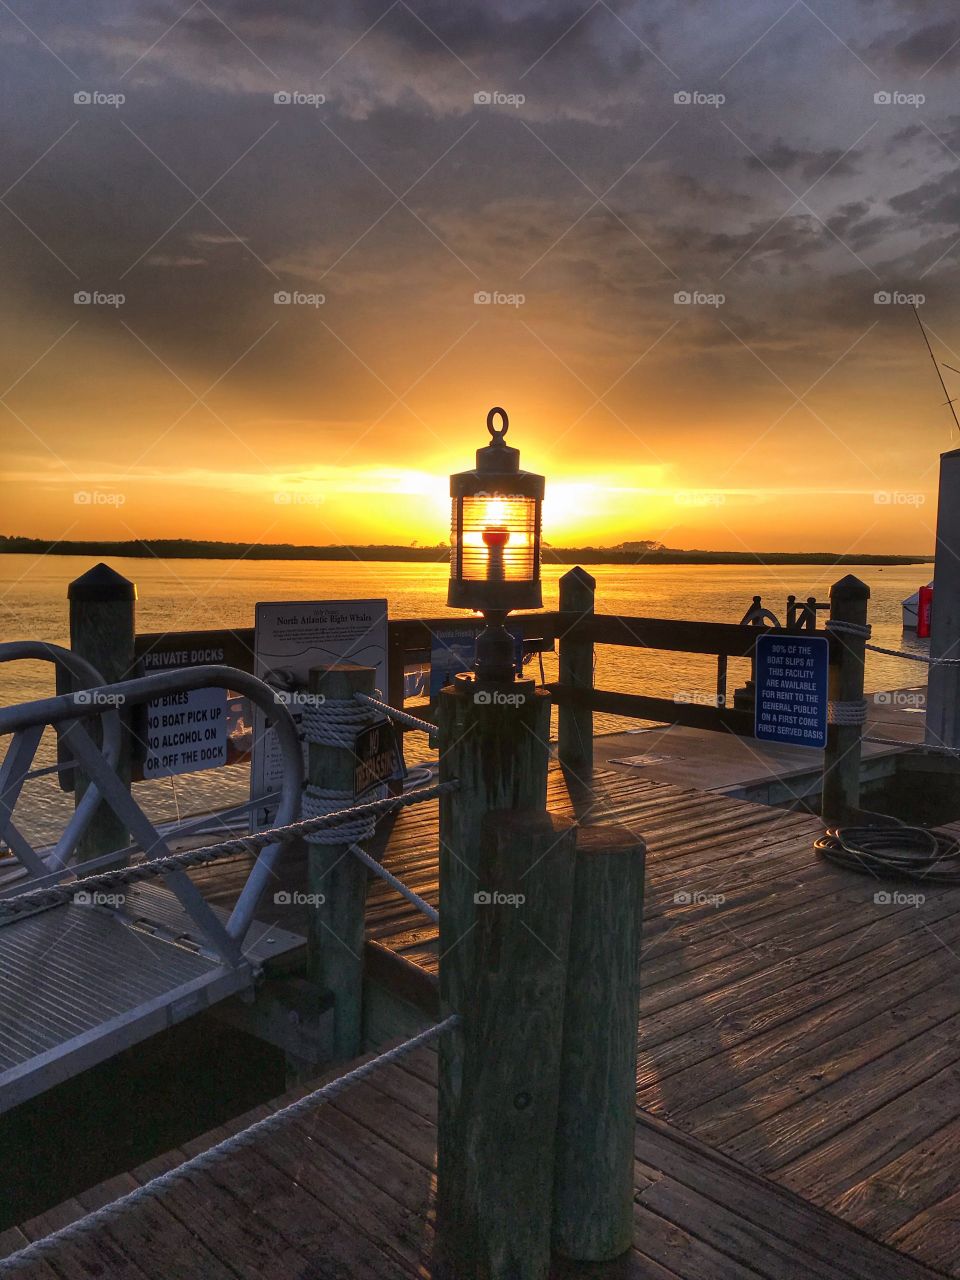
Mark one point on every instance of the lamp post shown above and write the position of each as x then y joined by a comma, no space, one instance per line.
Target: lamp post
495,546
493,733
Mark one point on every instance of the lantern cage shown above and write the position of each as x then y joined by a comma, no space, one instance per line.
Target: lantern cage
495,530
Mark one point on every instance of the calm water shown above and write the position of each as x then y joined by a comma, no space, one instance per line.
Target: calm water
180,595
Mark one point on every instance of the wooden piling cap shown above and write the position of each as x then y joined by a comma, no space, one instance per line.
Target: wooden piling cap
579,574
101,584
850,588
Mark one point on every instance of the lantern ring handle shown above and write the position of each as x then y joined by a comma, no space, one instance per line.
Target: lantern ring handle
498,435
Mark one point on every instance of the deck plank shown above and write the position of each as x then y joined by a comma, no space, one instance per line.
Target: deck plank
334,1195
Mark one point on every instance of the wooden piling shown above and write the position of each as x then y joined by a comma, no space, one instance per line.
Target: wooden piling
840,800
494,742
102,630
942,728
593,1176
337,879
494,1190
575,658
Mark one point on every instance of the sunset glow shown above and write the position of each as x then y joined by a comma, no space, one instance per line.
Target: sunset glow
305,353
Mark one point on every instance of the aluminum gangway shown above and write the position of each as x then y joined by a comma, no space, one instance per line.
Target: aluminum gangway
84,975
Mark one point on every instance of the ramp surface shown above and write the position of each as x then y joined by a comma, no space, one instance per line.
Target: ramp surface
80,982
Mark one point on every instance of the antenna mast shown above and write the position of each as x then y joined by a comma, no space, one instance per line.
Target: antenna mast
937,367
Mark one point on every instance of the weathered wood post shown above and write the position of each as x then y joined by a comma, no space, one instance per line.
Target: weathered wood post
593,1176
496,1196
102,630
494,741
840,800
575,661
943,683
336,879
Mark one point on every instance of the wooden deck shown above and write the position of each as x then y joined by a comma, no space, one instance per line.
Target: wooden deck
799,1026
347,1194
790,1023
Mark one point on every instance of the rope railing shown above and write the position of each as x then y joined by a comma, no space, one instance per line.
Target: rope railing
253,843
931,748
394,713
864,631
43,1248
380,870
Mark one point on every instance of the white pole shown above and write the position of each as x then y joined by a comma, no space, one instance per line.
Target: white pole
943,684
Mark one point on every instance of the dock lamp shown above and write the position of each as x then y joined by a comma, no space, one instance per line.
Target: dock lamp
495,546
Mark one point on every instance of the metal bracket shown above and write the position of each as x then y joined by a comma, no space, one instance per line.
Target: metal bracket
292,1014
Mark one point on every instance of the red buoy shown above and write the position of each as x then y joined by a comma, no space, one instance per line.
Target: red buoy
924,611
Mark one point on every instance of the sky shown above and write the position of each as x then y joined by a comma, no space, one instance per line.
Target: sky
267,265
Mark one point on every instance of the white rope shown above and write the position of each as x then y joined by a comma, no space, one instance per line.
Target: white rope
865,631
852,712
401,717
916,746
915,657
848,628
378,869
335,722
213,1155
155,868
318,802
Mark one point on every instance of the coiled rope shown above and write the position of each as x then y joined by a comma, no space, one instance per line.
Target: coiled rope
335,722
213,1155
853,712
910,853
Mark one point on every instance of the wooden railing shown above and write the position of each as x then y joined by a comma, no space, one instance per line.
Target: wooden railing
102,627
579,628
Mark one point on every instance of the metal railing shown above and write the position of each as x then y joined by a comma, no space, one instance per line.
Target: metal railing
65,713
22,750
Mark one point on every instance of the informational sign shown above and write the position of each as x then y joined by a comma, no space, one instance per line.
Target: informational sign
378,758
791,675
290,637
186,732
456,650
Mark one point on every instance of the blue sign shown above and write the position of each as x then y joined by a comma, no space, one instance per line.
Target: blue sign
791,675
456,650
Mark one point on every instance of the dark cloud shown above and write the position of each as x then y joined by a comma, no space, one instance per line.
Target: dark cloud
919,49
932,203
510,204
809,164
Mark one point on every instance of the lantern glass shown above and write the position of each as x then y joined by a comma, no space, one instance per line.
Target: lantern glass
496,538
495,530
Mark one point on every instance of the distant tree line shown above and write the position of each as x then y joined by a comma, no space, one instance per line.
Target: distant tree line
647,552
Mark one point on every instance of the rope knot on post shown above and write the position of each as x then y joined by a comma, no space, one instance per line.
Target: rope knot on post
841,628
335,722
852,712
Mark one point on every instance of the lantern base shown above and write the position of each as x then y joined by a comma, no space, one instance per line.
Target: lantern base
486,596
496,652
512,692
